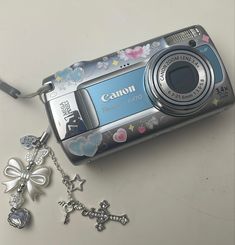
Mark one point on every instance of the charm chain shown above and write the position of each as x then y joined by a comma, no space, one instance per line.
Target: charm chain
102,215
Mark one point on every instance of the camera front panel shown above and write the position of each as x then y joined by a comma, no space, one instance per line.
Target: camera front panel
119,97
137,93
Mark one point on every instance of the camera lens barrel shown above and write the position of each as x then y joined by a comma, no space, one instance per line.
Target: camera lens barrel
179,81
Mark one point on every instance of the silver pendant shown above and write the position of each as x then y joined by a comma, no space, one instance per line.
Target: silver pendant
102,215
31,178
19,218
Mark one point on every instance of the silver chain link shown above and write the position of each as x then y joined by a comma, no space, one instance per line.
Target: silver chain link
55,161
65,178
102,215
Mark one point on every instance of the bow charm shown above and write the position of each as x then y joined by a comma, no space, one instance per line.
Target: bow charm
32,179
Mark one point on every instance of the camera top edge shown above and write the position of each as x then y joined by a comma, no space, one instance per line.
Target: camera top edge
127,59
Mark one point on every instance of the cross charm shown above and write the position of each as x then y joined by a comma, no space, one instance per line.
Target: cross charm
102,215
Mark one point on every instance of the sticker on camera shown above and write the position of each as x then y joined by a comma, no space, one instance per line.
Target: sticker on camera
120,135
68,77
205,38
127,55
134,53
104,63
86,146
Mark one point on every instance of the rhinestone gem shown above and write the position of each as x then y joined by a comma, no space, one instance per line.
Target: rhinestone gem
19,218
16,200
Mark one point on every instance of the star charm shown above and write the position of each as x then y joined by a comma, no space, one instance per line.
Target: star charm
115,62
215,102
77,183
131,127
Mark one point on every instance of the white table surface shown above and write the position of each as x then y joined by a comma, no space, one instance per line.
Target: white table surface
178,189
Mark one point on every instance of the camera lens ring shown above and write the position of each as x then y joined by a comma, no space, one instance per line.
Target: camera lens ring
170,95
167,100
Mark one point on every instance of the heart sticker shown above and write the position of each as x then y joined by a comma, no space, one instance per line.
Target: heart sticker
141,129
88,146
120,136
134,53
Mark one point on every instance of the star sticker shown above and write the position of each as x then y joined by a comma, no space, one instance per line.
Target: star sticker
131,127
58,78
115,62
215,102
77,183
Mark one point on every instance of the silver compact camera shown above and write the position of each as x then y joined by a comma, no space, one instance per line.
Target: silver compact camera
104,105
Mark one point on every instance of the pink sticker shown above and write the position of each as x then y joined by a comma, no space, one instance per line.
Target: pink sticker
134,53
205,38
141,129
120,136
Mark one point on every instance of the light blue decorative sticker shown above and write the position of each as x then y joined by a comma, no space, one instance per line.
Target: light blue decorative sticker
68,76
210,55
82,146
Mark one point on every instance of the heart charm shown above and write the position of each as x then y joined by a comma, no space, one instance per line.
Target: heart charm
19,218
120,136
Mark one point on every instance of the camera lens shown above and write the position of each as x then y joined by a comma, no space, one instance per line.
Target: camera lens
179,81
182,77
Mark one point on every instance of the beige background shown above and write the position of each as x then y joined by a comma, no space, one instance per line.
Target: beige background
177,189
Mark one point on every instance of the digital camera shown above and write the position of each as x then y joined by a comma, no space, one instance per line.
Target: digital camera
100,106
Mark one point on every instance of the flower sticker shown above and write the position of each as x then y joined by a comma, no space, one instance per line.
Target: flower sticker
86,146
134,53
152,122
104,64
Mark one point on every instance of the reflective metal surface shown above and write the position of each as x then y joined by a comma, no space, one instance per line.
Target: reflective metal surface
164,97
112,128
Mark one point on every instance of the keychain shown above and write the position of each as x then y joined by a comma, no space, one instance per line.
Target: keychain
33,178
